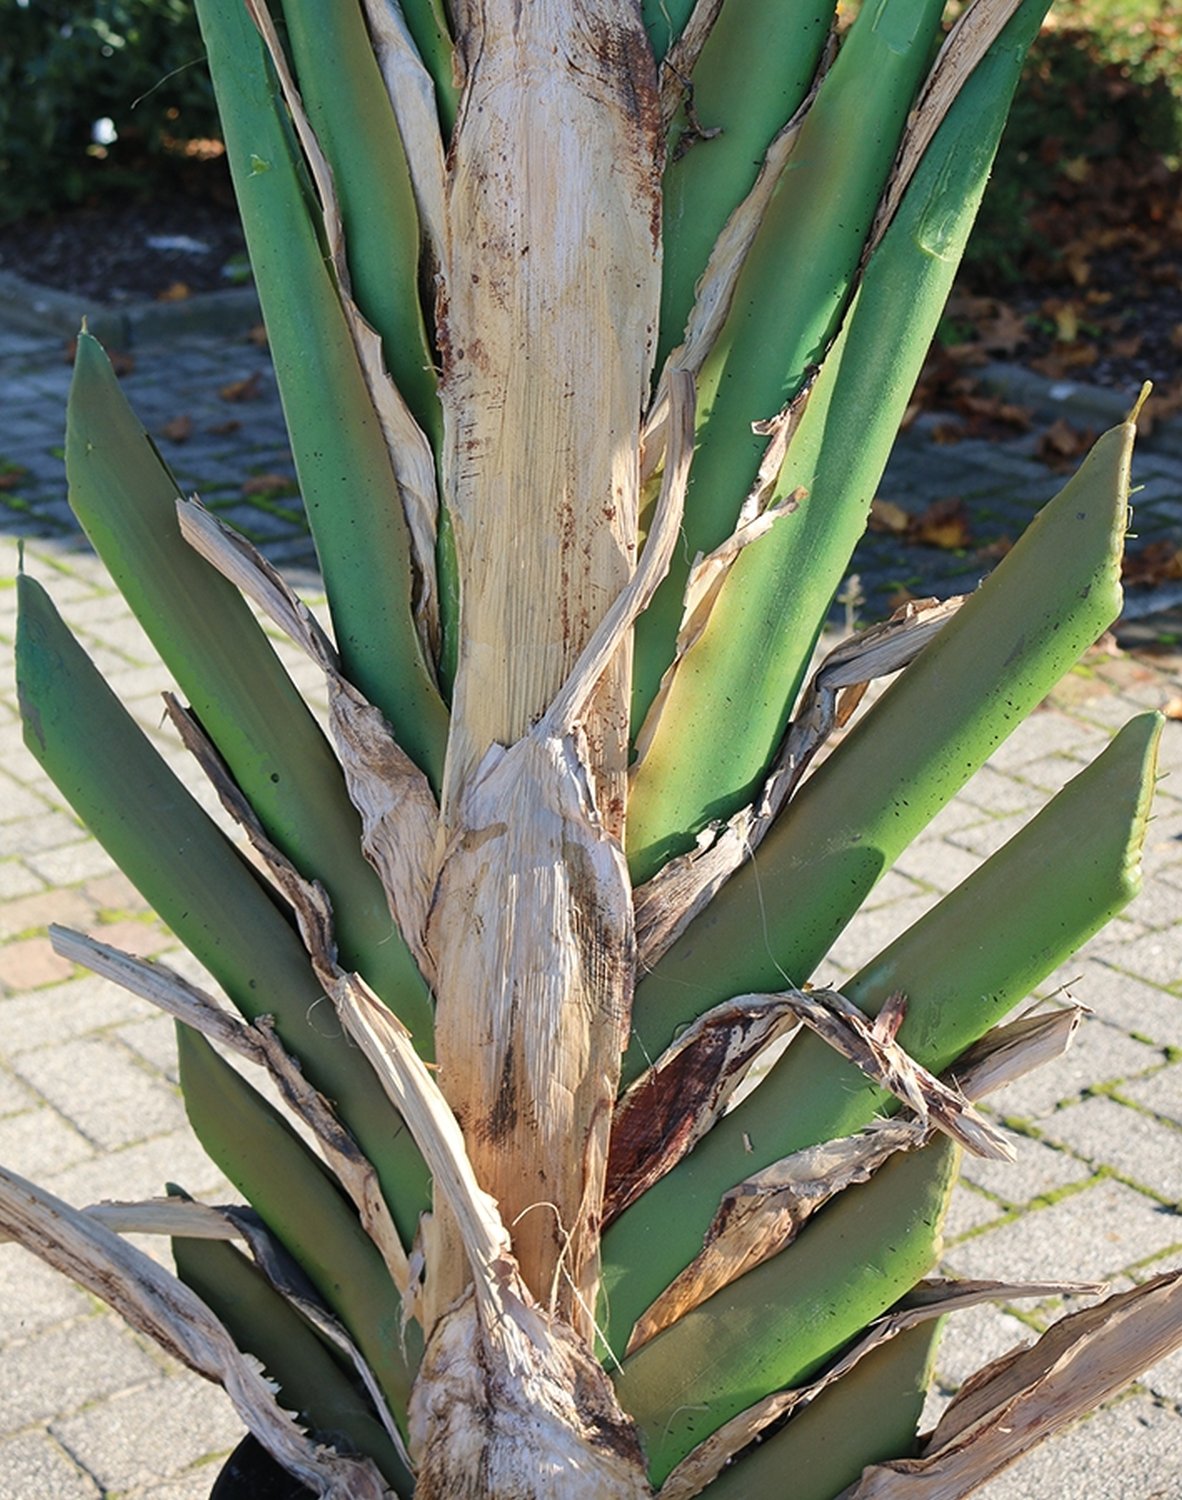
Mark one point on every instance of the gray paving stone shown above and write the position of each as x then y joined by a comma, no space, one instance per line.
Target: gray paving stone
17,879
973,1338
194,1484
1154,957
18,802
70,864
1048,731
1128,1452
1088,1236
871,930
995,792
1140,1009
1099,1054
39,1141
893,886
1142,1149
983,839
142,1171
35,1467
155,1041
937,863
110,1097
1161,1093
34,1296
14,1096
67,1367
64,1012
27,835
151,1434
1037,1170
968,1211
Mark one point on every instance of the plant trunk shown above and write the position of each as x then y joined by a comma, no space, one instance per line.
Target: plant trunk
555,168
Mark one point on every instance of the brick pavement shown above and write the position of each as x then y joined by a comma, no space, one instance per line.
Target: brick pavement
88,1099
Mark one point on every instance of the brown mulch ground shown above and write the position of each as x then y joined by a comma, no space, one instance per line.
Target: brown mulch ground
169,246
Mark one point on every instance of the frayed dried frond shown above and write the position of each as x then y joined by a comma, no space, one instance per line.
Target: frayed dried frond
667,904
930,1299
871,1045
155,1303
672,1105
399,816
762,1215
168,1216
1029,1394
259,1043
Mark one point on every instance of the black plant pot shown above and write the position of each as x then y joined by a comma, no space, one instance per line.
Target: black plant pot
250,1473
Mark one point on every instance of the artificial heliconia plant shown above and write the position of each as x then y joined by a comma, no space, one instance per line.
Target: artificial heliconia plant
593,324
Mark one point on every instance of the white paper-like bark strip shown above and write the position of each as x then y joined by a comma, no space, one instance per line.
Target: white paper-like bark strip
1019,1400
930,1299
412,98
498,1373
667,904
965,45
399,816
763,1214
258,1042
410,452
156,1303
571,699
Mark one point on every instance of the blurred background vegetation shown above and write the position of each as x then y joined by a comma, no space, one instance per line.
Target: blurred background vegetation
99,97
112,97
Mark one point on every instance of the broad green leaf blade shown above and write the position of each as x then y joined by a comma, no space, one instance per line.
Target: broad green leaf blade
963,966
302,1205
426,20
705,760
311,1382
868,1416
350,111
196,881
124,496
792,289
750,79
779,1323
1050,599
664,20
341,457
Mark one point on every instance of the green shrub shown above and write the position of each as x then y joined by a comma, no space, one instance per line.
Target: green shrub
65,65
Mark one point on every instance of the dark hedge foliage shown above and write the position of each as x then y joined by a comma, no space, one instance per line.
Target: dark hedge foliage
66,64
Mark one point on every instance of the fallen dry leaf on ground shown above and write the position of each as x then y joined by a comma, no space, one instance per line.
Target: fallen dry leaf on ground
178,429
270,484
943,524
1062,445
179,291
1157,562
249,389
